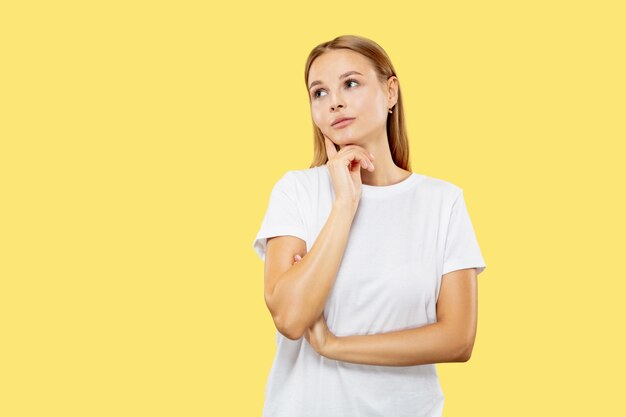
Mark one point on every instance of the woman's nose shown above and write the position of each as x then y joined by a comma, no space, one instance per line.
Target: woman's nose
336,106
336,101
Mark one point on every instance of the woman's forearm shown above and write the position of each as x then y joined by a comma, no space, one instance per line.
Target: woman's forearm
303,290
432,343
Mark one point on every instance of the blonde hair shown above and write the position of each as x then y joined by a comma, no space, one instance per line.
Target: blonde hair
396,128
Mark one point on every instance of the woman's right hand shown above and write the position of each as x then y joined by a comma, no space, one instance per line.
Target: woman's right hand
345,170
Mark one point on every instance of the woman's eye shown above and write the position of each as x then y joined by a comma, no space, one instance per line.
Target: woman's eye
317,91
315,95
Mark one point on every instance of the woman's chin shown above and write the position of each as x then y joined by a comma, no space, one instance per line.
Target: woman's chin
346,139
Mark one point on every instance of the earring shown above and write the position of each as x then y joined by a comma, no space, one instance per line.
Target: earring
390,111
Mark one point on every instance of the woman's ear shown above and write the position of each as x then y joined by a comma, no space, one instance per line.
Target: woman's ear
392,91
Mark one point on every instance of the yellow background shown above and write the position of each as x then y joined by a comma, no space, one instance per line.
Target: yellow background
140,141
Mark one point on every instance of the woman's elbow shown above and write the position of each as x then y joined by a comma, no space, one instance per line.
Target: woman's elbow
284,320
288,330
466,352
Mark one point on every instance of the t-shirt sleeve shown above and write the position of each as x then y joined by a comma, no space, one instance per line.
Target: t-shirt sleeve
461,247
282,217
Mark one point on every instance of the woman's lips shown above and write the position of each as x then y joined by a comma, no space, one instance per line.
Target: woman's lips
343,123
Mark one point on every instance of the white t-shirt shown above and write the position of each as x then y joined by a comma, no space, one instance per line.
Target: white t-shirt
403,238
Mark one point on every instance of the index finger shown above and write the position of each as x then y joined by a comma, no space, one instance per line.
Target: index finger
331,151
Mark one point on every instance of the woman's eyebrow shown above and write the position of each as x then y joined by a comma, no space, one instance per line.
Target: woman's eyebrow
340,77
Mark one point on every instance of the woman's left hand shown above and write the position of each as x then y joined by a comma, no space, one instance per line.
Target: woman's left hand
319,335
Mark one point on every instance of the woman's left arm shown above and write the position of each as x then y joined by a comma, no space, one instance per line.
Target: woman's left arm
450,339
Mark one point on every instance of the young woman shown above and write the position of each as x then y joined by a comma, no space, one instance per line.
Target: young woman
370,268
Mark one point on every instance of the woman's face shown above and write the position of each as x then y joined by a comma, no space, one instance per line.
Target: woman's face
348,87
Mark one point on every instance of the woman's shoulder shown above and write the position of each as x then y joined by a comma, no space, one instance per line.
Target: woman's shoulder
438,185
299,183
306,177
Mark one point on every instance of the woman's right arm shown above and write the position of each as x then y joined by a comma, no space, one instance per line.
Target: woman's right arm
296,296
296,293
